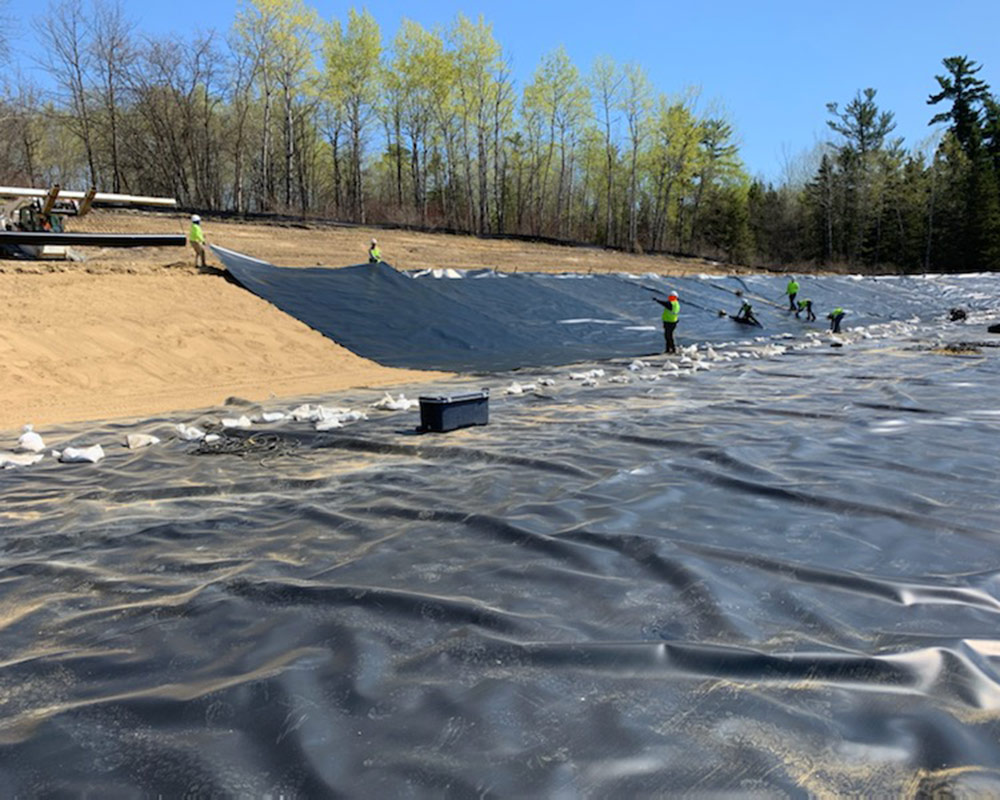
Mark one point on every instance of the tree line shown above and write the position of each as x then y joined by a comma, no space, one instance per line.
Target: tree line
871,203
291,113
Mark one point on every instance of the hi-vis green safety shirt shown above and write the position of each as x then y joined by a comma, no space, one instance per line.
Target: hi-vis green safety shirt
837,312
195,234
792,288
673,312
374,256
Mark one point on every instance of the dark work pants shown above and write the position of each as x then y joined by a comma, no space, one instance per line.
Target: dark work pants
791,301
668,336
835,325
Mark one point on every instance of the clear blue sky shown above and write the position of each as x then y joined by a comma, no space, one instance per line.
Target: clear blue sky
771,64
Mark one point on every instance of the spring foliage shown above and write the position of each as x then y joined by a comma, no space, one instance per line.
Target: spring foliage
293,113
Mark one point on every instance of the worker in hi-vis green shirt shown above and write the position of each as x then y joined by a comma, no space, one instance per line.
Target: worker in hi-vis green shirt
671,313
791,290
835,317
197,239
374,254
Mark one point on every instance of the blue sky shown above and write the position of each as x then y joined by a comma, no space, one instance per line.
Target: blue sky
772,65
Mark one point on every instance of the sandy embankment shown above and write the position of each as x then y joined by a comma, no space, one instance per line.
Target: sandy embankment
132,333
78,347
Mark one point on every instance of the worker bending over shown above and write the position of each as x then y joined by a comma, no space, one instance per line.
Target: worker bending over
807,306
197,239
671,312
835,317
374,254
746,315
791,290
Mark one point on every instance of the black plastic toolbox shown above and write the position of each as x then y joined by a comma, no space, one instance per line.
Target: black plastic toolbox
444,413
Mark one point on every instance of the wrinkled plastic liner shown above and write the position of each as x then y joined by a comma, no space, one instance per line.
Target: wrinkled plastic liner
777,577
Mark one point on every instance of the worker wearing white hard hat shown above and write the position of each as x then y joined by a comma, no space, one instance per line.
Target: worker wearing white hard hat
197,239
374,254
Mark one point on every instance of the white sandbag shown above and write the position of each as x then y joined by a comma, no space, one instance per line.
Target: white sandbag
302,413
637,366
270,416
189,433
620,379
388,403
212,437
327,418
10,460
307,412
242,422
30,441
546,382
136,440
82,455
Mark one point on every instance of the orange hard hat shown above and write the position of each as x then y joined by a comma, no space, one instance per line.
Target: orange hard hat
672,297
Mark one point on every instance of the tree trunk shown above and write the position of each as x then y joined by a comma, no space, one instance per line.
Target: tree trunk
289,143
264,196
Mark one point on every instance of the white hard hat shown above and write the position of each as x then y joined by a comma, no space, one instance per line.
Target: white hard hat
195,218
373,241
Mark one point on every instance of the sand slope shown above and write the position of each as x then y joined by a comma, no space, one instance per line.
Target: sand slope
76,346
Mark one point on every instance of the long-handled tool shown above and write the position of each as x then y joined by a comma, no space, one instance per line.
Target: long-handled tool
686,302
745,292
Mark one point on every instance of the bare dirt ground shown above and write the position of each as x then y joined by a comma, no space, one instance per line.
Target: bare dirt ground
136,332
310,245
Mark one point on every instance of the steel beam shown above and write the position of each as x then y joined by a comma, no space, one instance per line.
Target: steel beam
99,197
93,239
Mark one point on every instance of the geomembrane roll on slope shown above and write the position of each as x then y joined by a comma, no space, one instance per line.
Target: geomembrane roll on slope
489,321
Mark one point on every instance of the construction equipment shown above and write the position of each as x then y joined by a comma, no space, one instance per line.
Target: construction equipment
32,222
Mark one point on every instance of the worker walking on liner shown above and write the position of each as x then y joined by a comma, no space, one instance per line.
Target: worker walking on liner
374,254
671,313
197,239
835,317
807,306
791,290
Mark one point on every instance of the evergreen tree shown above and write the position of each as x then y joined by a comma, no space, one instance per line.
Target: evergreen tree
972,116
983,214
948,206
820,197
966,93
991,130
864,128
